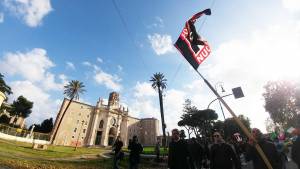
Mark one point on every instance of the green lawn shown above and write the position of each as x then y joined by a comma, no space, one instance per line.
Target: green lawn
24,149
150,150
22,156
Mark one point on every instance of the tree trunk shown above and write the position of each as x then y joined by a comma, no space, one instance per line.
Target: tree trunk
55,128
162,116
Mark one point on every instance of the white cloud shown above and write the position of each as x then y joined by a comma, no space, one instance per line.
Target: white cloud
63,78
292,5
1,17
143,89
161,44
143,108
99,60
86,63
31,12
103,78
173,105
43,108
32,66
120,68
35,81
110,81
70,65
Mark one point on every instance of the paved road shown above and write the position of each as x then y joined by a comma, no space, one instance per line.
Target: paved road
290,165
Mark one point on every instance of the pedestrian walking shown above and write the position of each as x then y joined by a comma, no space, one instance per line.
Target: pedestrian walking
118,154
222,155
178,152
267,147
296,148
135,150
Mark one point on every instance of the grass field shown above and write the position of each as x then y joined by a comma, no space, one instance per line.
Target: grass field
22,156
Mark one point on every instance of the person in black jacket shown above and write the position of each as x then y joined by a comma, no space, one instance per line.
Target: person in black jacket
178,152
222,155
296,148
135,150
268,148
196,154
117,152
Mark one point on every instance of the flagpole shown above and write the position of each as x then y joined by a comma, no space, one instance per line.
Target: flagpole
238,121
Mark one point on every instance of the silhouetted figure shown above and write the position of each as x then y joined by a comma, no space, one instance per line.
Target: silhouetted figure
157,150
222,155
296,148
178,152
206,154
135,150
117,147
268,148
196,154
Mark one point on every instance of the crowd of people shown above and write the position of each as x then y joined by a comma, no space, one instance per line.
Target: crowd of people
231,154
215,153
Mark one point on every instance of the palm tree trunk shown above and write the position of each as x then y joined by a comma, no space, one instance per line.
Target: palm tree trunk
162,116
55,128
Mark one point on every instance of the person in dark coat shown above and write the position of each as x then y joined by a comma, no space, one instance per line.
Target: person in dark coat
178,152
117,147
296,148
222,155
267,147
196,154
135,150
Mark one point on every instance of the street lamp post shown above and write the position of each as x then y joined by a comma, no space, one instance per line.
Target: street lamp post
236,92
79,135
220,84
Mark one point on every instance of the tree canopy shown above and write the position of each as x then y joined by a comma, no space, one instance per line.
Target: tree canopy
21,107
198,121
231,127
45,127
282,102
4,87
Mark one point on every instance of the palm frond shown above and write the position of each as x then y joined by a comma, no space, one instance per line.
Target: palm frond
158,81
73,89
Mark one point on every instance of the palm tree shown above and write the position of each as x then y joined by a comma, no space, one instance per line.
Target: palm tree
72,91
159,82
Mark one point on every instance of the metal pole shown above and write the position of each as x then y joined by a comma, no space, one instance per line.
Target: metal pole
237,120
218,99
222,109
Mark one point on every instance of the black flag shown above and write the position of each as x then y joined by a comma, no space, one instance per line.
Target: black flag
190,44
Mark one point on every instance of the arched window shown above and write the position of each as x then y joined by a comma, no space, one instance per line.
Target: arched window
101,124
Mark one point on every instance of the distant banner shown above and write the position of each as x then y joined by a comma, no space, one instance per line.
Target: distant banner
190,44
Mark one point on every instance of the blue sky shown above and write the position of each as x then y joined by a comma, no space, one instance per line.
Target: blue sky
45,43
